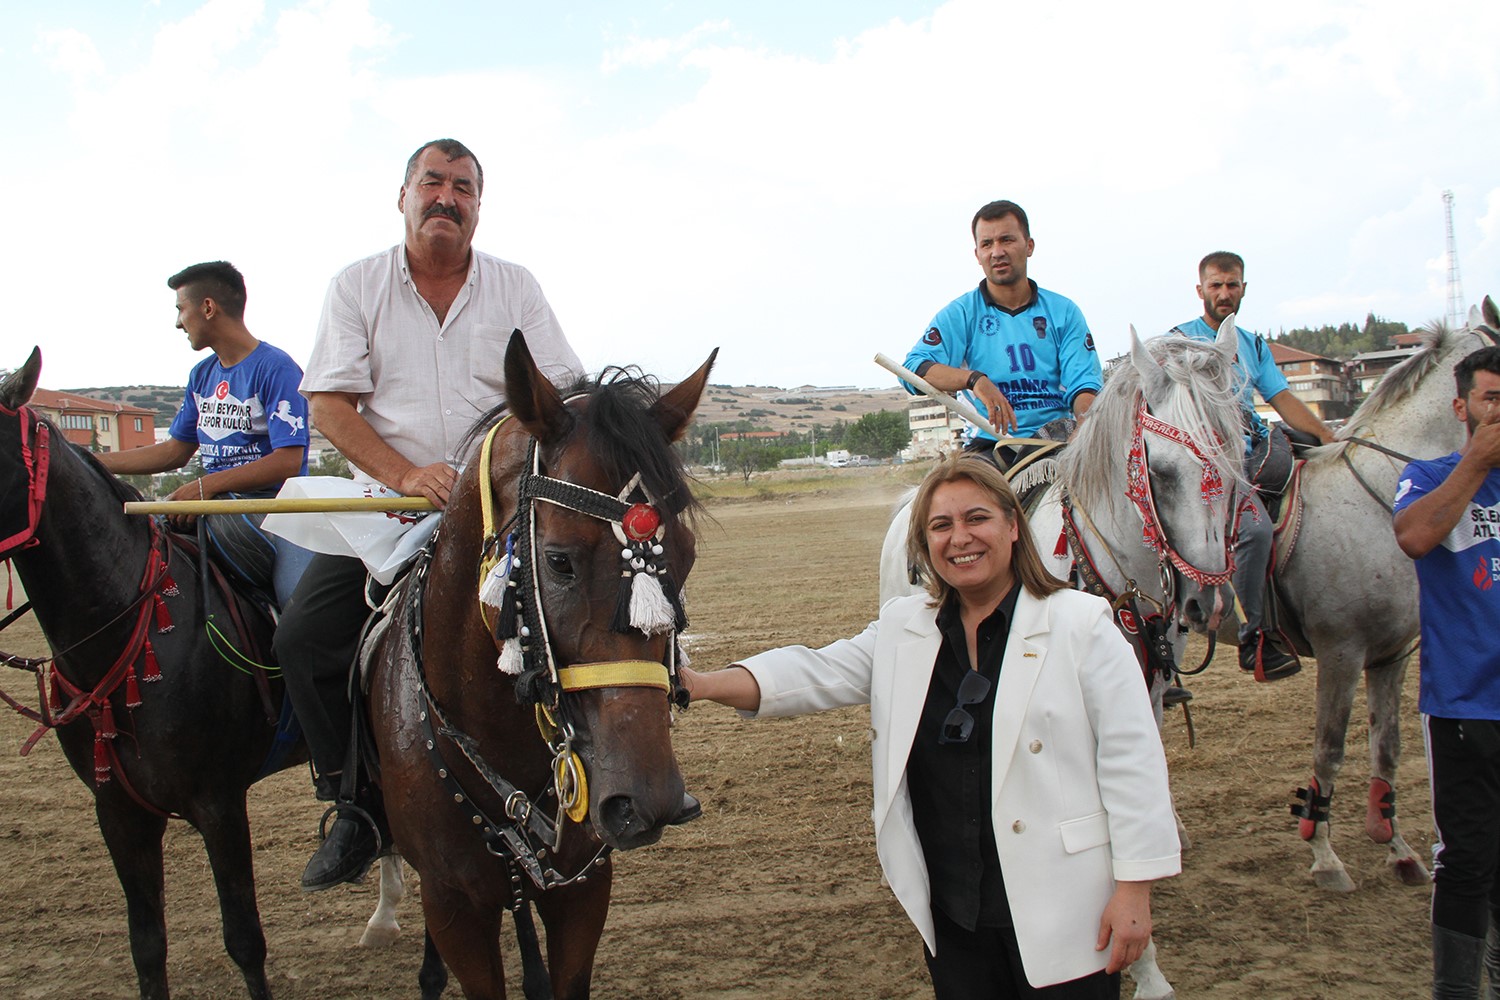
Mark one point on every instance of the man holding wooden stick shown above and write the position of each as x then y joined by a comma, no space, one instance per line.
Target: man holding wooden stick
409,353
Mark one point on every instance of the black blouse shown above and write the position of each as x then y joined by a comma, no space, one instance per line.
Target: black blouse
950,784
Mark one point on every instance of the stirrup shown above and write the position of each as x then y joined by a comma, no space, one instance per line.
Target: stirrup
360,812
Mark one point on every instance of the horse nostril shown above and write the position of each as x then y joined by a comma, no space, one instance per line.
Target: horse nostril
619,815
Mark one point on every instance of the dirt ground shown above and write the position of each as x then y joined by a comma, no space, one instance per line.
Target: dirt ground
776,891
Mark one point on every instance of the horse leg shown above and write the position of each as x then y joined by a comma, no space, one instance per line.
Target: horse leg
133,838
1150,984
574,918
1383,692
467,938
1337,677
226,837
382,929
432,978
1158,688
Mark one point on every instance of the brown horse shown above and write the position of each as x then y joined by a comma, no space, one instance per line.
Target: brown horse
577,512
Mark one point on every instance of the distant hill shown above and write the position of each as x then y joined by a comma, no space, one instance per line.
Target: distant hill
766,406
163,400
794,409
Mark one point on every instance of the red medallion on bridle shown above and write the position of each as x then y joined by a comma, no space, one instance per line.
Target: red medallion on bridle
1138,490
640,522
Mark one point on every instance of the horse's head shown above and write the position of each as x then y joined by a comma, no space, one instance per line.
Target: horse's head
1188,441
604,515
1158,461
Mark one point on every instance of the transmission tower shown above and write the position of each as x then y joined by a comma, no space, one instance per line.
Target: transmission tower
1456,309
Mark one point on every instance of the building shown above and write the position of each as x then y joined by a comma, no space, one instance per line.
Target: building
1367,369
1322,383
935,429
94,423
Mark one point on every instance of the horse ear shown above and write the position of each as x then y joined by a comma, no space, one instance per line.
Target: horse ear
1153,378
1491,315
533,399
1228,340
675,410
19,385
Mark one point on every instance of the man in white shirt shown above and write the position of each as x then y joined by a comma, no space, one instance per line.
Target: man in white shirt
409,353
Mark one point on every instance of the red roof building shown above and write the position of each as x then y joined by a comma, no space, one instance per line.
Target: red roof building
95,423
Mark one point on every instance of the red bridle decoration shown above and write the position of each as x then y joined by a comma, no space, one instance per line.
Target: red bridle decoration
36,456
1138,490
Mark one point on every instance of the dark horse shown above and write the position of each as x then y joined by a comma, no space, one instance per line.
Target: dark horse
106,588
577,512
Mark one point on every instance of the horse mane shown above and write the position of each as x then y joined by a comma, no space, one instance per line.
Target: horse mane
1201,401
622,434
1402,380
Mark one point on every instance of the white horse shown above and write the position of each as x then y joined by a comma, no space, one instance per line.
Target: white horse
1354,592
1157,459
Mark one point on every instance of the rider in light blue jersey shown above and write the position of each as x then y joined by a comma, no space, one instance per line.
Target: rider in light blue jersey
1023,353
1221,286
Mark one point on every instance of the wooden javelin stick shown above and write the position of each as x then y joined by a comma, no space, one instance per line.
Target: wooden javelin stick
279,505
962,407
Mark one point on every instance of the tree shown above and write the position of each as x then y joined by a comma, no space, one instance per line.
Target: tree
747,457
879,435
330,463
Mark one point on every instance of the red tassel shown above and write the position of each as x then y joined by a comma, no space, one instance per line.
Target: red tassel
163,616
168,585
1061,548
153,669
132,689
101,760
105,727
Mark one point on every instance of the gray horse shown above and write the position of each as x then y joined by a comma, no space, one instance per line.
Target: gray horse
1354,592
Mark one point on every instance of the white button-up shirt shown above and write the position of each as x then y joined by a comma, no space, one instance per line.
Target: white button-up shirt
422,384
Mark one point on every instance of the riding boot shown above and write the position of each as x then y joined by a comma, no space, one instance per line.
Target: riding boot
1492,961
1264,657
351,844
691,809
1456,961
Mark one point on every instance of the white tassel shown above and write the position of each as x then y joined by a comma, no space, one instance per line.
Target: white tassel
492,590
650,611
511,661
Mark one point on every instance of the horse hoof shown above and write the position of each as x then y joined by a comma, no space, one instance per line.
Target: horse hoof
380,937
1333,880
1171,994
1411,872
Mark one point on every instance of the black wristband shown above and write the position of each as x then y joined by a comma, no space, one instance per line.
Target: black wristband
974,378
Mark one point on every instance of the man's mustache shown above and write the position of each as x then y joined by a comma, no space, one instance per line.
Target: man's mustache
445,211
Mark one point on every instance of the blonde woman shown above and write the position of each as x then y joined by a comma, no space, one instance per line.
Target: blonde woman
1021,804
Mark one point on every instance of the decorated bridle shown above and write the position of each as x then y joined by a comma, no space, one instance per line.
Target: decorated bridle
1138,490
510,604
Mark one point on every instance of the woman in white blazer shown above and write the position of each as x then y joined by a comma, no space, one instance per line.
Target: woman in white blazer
1021,804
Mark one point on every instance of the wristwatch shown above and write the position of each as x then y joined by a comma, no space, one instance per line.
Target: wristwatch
974,378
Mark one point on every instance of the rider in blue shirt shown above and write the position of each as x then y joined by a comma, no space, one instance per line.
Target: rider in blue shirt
1221,286
1023,353
1448,520
243,416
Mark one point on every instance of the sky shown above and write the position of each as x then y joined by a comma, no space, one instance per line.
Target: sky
790,182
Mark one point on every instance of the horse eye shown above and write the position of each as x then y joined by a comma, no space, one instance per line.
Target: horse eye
559,563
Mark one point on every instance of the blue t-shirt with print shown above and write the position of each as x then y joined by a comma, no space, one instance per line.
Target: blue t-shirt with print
1459,582
1040,357
1255,371
242,413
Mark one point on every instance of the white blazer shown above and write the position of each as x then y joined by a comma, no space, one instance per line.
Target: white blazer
1079,777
